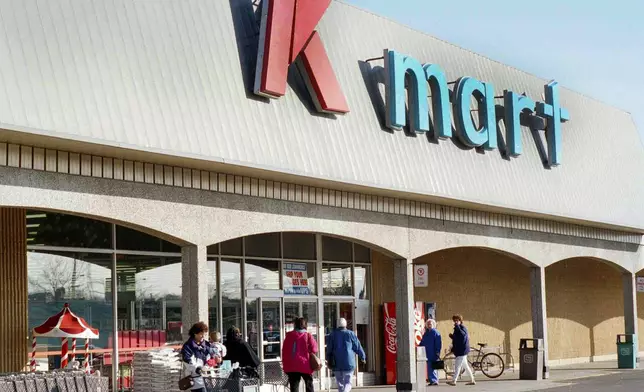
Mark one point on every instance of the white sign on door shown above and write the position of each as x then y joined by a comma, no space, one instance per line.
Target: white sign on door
420,275
640,284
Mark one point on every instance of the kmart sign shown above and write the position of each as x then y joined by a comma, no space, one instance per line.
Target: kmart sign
423,79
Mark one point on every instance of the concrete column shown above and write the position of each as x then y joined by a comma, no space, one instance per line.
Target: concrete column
539,315
194,286
630,305
406,358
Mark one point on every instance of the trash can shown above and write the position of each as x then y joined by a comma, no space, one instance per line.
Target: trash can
421,369
626,355
531,359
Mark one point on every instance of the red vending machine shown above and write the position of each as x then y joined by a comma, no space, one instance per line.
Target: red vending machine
391,347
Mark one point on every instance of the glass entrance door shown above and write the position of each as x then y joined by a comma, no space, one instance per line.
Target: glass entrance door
271,324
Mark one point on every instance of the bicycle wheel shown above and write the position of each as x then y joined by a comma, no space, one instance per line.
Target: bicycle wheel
492,365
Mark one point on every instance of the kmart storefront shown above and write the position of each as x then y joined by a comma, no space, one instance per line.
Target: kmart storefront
146,179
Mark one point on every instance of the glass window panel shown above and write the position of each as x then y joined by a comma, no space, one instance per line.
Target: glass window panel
362,279
232,248
262,274
231,294
299,278
291,311
335,249
310,312
52,229
130,239
336,279
81,279
263,245
299,246
272,323
252,324
212,250
213,295
362,253
149,295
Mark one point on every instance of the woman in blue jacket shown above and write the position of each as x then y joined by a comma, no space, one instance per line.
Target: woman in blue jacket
195,353
433,344
342,347
460,348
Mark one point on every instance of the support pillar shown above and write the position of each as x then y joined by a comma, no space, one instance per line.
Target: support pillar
630,306
14,332
406,358
539,315
194,286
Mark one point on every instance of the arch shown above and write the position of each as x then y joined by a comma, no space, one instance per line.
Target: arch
516,257
361,241
134,226
615,265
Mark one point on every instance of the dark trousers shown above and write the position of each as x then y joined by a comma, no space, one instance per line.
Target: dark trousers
294,381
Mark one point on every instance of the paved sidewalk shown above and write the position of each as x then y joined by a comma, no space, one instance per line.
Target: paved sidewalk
566,376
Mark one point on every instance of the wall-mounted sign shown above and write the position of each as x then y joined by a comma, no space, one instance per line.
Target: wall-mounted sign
296,281
427,78
420,275
288,36
640,284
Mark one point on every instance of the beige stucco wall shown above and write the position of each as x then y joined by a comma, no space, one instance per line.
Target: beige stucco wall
585,306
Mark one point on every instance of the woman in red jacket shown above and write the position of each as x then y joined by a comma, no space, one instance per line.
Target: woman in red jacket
296,351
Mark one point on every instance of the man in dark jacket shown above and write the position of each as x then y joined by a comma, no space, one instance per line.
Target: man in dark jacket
460,348
239,351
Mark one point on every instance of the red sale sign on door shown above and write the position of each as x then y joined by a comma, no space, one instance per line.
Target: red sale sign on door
391,346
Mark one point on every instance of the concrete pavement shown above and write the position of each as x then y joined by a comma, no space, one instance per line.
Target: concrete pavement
584,377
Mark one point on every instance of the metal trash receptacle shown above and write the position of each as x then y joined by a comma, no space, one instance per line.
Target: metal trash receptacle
626,355
421,369
531,359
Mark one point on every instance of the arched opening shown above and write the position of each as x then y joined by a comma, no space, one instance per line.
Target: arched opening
585,305
490,288
260,283
70,259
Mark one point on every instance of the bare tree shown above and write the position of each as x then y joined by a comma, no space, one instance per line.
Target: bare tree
61,279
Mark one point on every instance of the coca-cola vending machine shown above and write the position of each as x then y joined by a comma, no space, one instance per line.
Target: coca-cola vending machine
391,348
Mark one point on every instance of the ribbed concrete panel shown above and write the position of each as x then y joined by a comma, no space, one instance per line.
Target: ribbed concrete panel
13,290
175,76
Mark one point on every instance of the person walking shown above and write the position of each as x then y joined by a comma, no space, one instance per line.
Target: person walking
195,353
342,347
460,348
296,355
433,344
239,351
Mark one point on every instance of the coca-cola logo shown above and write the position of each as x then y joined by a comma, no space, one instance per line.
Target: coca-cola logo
418,325
390,332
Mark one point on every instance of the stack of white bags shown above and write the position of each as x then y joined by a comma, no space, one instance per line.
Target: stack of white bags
156,370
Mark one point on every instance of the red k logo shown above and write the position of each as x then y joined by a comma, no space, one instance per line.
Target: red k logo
288,36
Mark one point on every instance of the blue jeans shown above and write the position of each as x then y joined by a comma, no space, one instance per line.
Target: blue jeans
343,379
431,373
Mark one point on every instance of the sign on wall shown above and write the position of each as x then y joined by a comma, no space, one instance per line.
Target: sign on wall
640,284
420,275
296,281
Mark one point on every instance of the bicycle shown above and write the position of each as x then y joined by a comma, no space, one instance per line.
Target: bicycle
490,364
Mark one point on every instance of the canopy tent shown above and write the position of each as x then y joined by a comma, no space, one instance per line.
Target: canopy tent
65,325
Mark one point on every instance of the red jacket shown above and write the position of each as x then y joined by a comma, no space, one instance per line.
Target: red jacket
295,352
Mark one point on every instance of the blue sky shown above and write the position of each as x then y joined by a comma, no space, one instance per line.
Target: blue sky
590,46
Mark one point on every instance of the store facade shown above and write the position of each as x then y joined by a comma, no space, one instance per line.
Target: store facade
166,162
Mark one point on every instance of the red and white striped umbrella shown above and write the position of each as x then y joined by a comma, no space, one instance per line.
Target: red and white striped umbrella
64,325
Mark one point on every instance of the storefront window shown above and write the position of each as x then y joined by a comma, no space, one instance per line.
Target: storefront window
213,295
263,245
361,253
128,239
262,274
231,294
80,279
336,279
299,278
299,246
69,231
336,249
232,248
362,282
149,294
